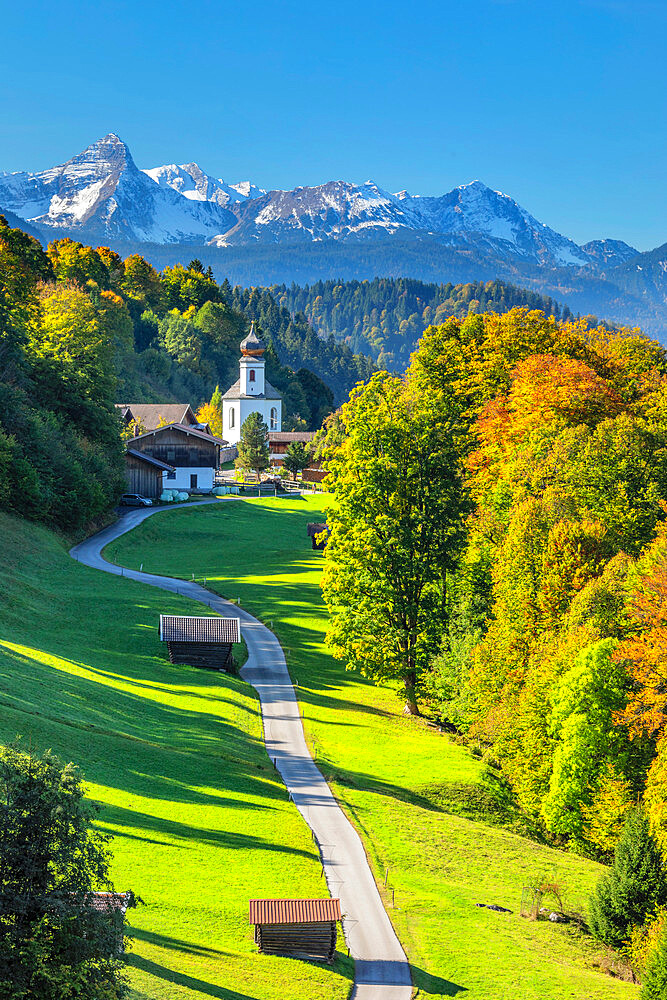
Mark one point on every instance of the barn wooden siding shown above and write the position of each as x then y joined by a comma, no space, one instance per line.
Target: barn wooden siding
142,478
177,448
313,941
300,928
200,641
209,655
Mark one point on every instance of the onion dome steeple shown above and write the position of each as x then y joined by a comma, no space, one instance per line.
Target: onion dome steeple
252,346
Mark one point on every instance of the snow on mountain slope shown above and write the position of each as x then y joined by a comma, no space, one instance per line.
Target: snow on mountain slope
101,193
470,215
193,183
335,210
475,208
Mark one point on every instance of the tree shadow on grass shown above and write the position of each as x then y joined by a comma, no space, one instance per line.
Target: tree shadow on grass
180,979
117,816
173,944
430,985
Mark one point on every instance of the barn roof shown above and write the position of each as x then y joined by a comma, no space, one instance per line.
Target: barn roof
186,429
150,414
293,911
186,628
149,459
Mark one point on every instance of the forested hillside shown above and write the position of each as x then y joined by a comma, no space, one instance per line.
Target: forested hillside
535,574
82,329
386,317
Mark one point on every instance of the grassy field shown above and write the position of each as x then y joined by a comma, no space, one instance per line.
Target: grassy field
175,758
387,771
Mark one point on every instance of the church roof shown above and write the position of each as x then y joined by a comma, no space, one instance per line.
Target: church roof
269,392
252,344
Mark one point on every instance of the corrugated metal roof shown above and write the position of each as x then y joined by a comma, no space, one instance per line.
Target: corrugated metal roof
185,628
293,911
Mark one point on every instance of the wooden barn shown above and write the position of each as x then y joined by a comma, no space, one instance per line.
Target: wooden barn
194,454
201,642
145,475
317,529
300,928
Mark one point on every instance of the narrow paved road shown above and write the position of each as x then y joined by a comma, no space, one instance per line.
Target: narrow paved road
381,968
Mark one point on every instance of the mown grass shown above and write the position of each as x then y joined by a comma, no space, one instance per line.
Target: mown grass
392,773
175,758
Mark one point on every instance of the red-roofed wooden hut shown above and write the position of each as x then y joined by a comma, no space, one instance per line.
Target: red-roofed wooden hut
300,928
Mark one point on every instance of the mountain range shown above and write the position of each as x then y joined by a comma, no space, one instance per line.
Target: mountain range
335,229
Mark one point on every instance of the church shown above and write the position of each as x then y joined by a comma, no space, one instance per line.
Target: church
251,393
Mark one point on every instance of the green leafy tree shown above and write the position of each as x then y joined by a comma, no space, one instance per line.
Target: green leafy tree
296,458
181,339
53,943
634,888
73,261
581,724
253,446
396,526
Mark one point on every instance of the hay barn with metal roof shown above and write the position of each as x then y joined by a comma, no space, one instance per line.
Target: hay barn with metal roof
200,641
299,928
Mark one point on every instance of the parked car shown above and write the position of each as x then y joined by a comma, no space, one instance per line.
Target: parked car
135,500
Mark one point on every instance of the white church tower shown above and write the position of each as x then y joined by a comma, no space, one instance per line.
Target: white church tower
251,393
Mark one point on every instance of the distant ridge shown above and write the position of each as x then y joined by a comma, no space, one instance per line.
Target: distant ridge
335,229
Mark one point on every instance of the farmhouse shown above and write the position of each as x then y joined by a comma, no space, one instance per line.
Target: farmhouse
251,393
201,642
300,928
146,475
279,442
192,454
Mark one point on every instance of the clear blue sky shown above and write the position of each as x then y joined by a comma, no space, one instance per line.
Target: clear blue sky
562,105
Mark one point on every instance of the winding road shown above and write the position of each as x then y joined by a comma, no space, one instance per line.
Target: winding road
381,968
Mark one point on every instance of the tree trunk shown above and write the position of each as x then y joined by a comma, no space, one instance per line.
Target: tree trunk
409,685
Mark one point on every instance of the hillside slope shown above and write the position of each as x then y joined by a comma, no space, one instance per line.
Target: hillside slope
416,796
175,758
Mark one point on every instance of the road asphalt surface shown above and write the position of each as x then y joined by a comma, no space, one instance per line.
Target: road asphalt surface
381,968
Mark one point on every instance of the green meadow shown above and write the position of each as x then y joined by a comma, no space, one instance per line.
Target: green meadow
407,787
174,757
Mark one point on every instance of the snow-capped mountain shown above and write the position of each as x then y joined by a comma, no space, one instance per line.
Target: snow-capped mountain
102,194
335,210
471,213
475,209
191,181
